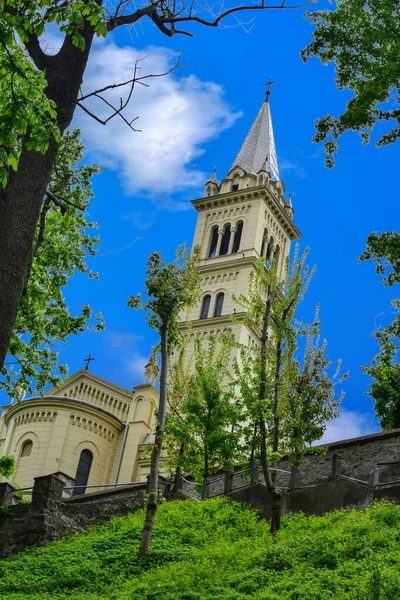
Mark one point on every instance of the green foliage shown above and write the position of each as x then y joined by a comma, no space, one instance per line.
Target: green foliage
206,428
299,387
44,321
362,39
384,251
310,391
217,549
385,372
7,466
170,287
27,116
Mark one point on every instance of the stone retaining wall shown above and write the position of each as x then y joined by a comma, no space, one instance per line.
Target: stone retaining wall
358,458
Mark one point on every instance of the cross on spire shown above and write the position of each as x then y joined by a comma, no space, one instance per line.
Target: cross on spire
87,361
268,92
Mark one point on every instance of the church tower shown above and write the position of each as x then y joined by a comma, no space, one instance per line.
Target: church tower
242,218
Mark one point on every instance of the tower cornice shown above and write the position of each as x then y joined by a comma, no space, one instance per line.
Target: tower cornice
247,194
228,320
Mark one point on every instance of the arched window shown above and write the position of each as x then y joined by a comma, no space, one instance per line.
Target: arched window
26,448
264,243
238,237
82,472
225,240
205,307
270,251
235,183
219,303
213,241
277,254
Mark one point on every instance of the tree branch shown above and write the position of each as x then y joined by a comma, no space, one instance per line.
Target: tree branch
117,112
42,225
163,16
40,58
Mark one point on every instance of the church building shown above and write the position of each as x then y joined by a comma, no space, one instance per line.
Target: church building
96,432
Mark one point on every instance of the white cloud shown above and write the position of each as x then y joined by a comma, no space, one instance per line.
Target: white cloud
135,364
295,168
119,340
350,424
178,115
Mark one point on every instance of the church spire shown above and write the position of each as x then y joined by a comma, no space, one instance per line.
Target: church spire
258,149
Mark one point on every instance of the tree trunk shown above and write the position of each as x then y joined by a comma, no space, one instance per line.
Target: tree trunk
276,512
253,442
275,438
178,470
21,200
156,454
263,390
275,413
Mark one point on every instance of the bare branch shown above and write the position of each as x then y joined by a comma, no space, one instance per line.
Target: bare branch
161,16
117,112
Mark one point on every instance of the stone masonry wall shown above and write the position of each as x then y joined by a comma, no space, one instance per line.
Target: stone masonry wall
358,458
49,516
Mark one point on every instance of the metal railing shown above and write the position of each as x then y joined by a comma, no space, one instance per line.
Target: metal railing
102,485
354,479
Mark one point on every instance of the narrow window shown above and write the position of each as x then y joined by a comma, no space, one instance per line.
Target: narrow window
276,257
262,248
235,187
225,240
268,254
219,304
205,307
238,237
26,448
82,472
213,242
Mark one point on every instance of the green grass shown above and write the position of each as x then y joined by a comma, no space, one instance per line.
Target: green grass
218,550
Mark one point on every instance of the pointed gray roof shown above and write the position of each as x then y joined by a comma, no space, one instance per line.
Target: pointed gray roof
258,150
213,177
288,201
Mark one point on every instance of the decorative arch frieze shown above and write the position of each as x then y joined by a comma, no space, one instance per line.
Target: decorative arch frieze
94,426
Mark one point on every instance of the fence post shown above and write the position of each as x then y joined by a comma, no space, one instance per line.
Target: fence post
178,484
294,478
228,483
47,491
373,477
335,466
206,488
253,472
7,497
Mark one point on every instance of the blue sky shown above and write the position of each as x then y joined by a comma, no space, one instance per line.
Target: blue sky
196,118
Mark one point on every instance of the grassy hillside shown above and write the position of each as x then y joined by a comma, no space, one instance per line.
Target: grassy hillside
218,550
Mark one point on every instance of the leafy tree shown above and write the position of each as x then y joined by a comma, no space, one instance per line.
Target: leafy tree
207,426
289,399
170,288
385,372
7,466
177,434
362,39
39,93
62,243
384,251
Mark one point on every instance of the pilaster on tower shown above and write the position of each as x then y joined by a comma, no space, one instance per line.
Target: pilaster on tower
241,219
